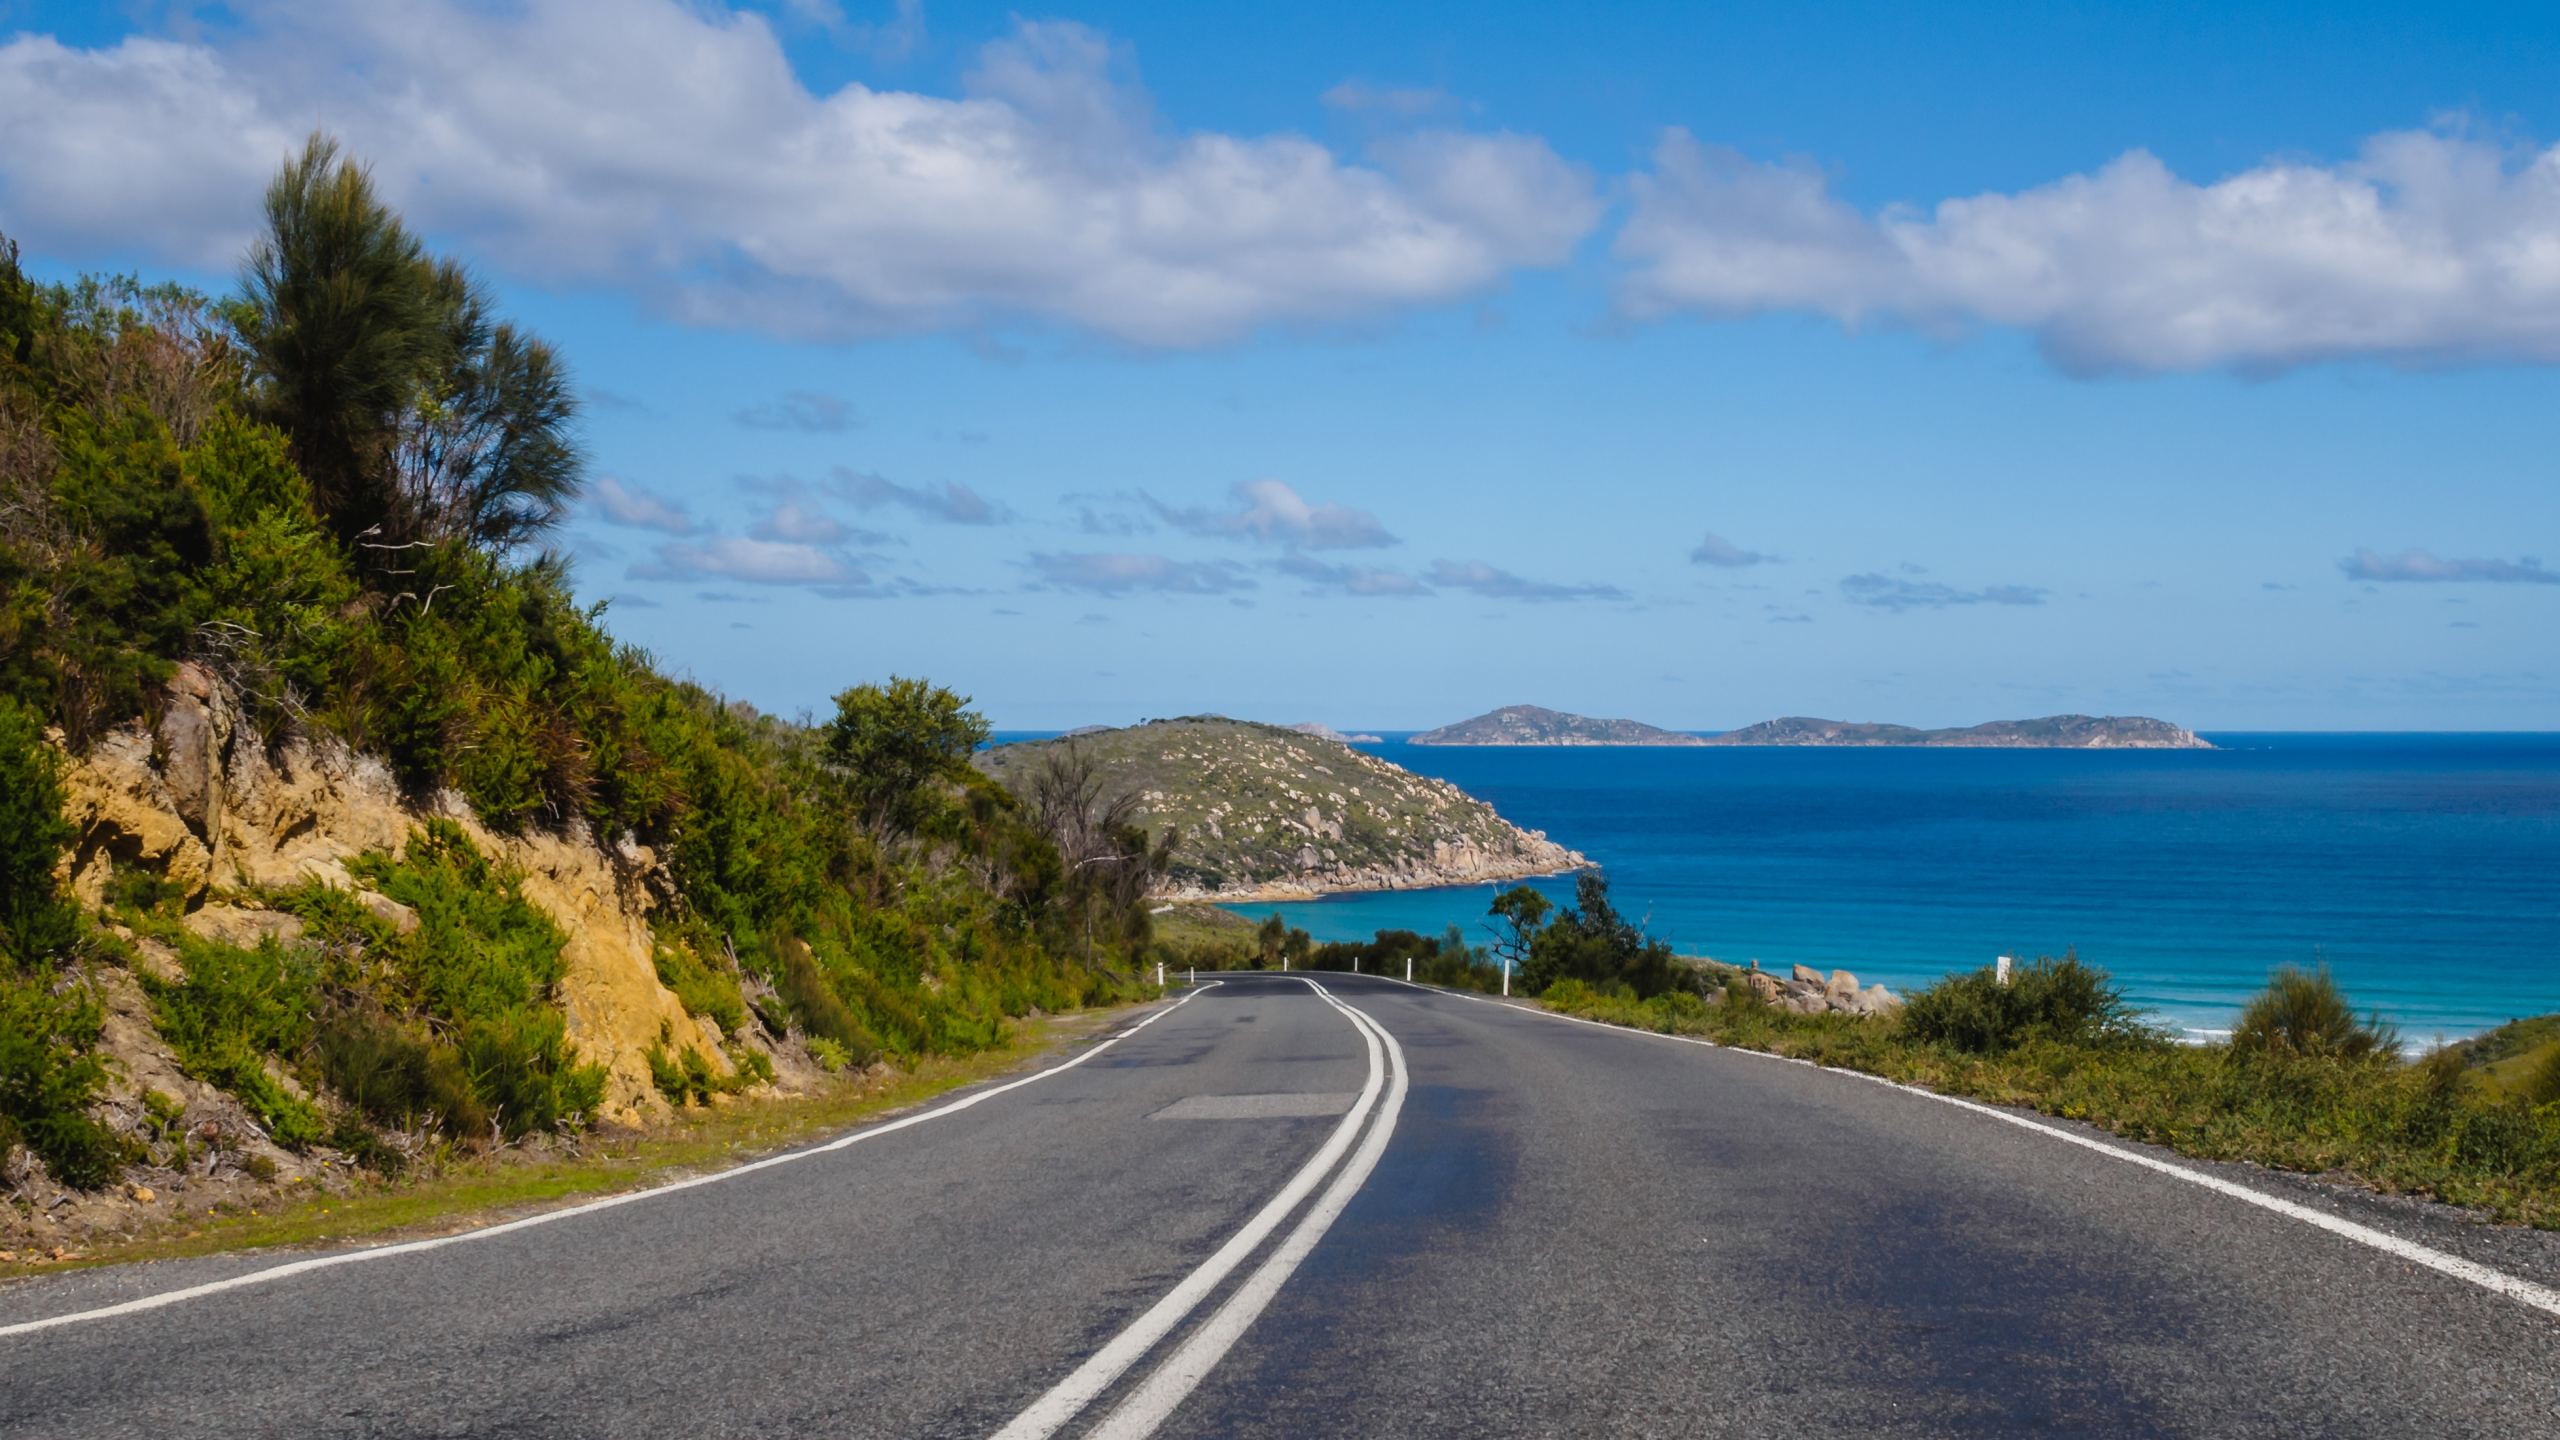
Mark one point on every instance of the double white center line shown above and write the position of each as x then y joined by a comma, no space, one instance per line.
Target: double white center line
1154,1398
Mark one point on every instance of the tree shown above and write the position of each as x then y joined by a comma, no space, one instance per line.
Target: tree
339,324
1106,861
1521,909
416,417
891,742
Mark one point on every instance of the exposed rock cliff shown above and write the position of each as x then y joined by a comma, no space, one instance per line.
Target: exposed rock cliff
1263,812
201,802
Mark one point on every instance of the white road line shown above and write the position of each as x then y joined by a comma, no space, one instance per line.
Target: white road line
1068,1397
415,1247
2514,1287
1157,1396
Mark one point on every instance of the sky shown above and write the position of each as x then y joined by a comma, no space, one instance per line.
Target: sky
1380,365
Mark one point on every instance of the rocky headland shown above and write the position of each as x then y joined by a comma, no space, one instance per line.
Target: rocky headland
1262,812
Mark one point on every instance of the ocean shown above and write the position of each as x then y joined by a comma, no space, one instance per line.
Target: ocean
2424,870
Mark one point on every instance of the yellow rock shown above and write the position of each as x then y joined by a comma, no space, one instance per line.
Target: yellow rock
142,1193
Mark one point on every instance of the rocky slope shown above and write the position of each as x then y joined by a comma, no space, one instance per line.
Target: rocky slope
1264,812
2053,732
1537,725
199,802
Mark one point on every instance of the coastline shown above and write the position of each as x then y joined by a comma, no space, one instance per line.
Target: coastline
1378,882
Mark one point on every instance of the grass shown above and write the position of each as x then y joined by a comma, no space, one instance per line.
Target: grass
2430,1128
503,1185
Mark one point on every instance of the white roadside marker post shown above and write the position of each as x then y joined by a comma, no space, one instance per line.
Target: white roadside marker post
1195,976
1506,977
2001,969
1159,974
1355,964
1408,969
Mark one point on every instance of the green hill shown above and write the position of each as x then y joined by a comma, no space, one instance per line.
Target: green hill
1261,810
1537,725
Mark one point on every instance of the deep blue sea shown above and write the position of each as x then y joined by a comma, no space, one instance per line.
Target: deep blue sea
2423,869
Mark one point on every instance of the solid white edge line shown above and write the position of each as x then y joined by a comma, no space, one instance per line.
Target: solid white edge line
1063,1401
1172,1382
2513,1287
415,1247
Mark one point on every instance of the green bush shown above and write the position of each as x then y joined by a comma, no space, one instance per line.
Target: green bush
2301,1012
48,1075
36,923
2061,1000
234,1010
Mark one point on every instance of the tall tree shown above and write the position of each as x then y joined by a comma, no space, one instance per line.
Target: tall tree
893,741
415,414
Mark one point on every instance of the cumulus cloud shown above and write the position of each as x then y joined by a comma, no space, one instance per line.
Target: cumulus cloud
1123,574
670,146
758,562
2427,247
1476,577
809,411
795,523
1271,511
950,502
1889,592
1349,579
2424,566
625,504
1723,554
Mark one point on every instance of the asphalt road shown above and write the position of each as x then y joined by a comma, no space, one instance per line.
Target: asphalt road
1266,1213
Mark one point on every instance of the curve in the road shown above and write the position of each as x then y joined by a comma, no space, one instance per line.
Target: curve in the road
1164,1389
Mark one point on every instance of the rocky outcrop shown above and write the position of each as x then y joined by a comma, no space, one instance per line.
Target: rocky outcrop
1260,812
1807,991
200,802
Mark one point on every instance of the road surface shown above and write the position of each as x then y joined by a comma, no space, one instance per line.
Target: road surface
1283,1209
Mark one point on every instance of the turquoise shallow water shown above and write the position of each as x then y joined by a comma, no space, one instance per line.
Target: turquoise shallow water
2425,869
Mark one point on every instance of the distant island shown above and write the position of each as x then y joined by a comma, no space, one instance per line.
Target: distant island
1537,725
1263,812
2053,732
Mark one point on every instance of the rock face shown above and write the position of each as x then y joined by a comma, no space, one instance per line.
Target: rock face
1537,725
2053,732
219,814
1262,812
1807,991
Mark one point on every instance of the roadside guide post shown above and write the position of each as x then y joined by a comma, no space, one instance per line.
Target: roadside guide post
1159,974
1506,977
1408,969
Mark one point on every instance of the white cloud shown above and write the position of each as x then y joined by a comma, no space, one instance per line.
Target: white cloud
1122,574
1725,555
759,562
671,147
2426,566
1494,584
950,502
1270,510
623,504
794,523
1361,580
1887,592
2428,247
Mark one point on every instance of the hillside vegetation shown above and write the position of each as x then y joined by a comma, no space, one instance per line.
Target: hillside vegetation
1258,810
2052,732
282,549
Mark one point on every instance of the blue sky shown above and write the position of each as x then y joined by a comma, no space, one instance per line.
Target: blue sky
1382,364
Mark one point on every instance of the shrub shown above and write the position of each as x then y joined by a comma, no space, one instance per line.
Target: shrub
36,923
234,1009
47,1076
2542,1084
2062,1000
2302,1013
